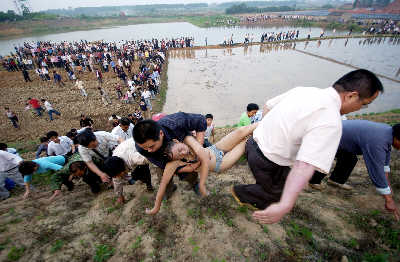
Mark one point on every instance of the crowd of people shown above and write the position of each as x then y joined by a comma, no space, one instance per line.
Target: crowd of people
290,142
263,18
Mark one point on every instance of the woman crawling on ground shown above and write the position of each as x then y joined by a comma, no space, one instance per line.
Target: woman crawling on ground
222,155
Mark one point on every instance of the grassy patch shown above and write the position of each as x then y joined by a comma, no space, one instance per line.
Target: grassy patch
56,246
43,179
15,253
137,243
103,253
25,146
4,244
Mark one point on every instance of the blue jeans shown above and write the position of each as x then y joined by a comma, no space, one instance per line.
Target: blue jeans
51,114
38,111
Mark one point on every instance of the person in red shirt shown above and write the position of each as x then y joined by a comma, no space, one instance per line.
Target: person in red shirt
34,103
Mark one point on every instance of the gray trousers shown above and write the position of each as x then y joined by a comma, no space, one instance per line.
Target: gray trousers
12,174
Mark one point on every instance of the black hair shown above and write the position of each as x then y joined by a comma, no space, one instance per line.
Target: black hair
125,121
3,146
396,131
363,81
168,150
77,165
70,134
209,116
27,167
251,107
86,122
86,137
114,165
44,139
51,134
146,130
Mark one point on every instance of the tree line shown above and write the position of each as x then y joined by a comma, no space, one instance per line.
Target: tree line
11,15
243,8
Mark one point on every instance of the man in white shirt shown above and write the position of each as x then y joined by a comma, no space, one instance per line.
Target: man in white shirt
9,169
137,164
97,145
59,146
146,96
79,85
50,110
300,133
124,129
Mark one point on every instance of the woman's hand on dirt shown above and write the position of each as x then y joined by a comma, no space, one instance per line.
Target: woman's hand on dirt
152,211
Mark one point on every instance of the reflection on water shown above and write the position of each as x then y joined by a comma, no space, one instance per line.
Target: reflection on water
214,35
224,81
380,55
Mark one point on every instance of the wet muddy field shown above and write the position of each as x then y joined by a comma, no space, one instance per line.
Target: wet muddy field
224,81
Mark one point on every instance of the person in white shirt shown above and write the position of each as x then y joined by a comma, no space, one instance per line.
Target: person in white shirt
299,133
146,96
59,145
124,129
97,145
50,110
126,158
79,85
9,169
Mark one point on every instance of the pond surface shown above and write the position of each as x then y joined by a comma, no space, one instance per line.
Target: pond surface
215,35
224,81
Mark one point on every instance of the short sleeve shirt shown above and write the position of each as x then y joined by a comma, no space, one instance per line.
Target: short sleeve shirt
45,164
106,142
303,124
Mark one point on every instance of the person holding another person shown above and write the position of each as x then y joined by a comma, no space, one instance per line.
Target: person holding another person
221,156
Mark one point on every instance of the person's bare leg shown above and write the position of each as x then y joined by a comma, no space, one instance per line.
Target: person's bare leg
234,138
233,156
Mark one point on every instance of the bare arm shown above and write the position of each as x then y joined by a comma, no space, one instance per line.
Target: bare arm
104,177
202,155
298,177
27,190
200,137
265,110
390,205
166,177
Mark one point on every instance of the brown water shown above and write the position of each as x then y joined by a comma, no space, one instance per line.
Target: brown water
224,81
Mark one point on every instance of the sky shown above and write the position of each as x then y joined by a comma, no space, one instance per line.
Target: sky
40,5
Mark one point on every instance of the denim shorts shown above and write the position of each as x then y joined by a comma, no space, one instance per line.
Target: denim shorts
219,155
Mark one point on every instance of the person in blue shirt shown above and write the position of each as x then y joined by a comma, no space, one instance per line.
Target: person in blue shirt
374,142
38,166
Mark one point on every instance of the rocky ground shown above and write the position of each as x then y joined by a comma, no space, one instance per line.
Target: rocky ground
333,225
